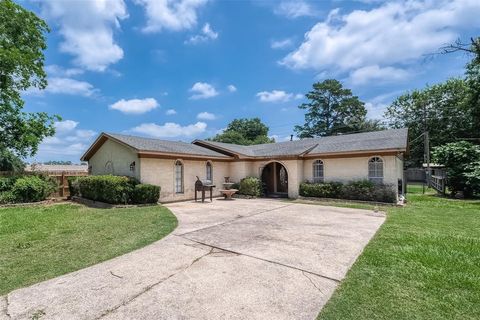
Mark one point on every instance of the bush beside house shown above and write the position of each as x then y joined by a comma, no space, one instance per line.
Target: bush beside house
250,186
363,190
113,189
25,188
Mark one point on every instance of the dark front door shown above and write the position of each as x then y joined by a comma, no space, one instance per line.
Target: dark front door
275,179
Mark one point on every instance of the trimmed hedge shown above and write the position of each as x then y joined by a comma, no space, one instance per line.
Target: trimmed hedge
28,188
250,186
145,193
364,190
113,189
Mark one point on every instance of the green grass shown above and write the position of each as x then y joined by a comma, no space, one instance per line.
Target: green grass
424,263
42,242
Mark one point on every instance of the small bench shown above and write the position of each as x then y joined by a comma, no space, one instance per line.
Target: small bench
228,193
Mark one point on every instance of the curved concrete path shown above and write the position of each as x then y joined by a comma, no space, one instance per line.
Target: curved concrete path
241,259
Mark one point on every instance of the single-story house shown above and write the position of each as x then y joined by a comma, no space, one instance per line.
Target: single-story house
282,166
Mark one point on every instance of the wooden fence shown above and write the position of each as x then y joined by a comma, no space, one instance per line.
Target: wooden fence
60,176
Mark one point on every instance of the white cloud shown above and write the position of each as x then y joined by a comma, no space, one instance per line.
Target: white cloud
281,44
170,112
206,116
379,75
170,129
203,90
69,143
58,71
277,96
87,28
294,9
66,86
170,14
65,125
231,88
391,34
206,34
135,106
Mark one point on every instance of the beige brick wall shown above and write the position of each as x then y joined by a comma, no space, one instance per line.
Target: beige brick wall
162,172
119,156
355,168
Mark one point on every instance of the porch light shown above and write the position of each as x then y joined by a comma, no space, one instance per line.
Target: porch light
132,166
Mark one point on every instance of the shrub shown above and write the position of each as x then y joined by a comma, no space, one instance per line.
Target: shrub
107,188
321,190
73,186
32,188
7,197
6,183
250,186
145,193
364,190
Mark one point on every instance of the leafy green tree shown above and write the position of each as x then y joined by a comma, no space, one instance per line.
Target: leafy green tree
59,162
440,109
473,81
22,41
244,132
461,160
10,162
331,109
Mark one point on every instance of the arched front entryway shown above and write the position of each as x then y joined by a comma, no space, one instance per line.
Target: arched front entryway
275,180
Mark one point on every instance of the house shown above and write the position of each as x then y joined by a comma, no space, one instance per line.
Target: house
282,166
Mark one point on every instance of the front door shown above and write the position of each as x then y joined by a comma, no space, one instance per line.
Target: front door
275,179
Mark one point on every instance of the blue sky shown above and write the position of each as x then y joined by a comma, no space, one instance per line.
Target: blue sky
181,70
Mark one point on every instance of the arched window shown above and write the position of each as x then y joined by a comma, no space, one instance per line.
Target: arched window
178,176
109,167
318,171
209,168
375,169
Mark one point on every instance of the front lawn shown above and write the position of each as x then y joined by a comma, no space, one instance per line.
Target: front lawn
424,263
42,242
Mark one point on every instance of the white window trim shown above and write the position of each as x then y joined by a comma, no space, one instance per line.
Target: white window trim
376,179
211,170
182,181
318,179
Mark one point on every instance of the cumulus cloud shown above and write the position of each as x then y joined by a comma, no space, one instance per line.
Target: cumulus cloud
135,106
88,30
206,116
231,88
170,14
281,44
277,96
170,112
170,129
206,34
65,125
69,142
58,71
380,75
391,34
203,90
294,9
65,86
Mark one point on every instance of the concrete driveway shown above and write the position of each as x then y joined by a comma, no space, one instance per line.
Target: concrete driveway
241,259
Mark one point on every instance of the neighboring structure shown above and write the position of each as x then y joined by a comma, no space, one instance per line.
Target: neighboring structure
282,166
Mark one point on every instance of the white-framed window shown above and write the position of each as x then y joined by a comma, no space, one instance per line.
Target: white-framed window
318,171
178,176
375,169
209,171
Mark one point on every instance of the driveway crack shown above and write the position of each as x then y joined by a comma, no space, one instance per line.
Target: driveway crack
312,282
234,220
151,286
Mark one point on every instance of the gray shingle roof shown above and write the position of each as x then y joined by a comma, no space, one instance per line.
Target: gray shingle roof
166,146
368,141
